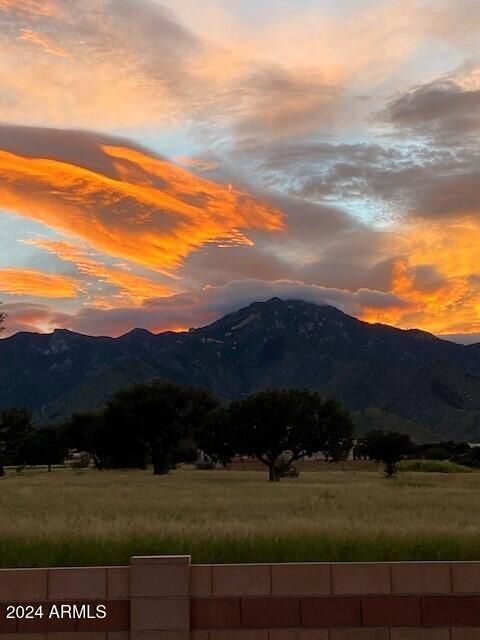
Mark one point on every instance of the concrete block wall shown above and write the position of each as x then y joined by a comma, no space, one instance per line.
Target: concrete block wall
46,587
167,598
330,601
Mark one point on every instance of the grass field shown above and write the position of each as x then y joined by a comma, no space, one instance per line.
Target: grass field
86,517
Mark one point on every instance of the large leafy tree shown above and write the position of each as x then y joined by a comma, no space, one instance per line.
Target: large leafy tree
15,431
281,426
45,447
388,447
156,416
214,436
2,320
108,444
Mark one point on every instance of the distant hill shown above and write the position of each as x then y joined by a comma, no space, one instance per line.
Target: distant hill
372,418
420,379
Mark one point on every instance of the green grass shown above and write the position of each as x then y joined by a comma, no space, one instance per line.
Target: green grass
82,518
433,466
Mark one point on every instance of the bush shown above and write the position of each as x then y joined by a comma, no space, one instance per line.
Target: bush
433,466
79,461
436,453
205,465
470,459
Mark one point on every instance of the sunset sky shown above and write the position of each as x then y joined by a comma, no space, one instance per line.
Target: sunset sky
163,162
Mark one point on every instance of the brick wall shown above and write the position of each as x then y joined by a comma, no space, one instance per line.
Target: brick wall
167,598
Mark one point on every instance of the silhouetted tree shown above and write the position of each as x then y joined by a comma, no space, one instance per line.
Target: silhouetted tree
287,425
86,432
214,436
2,320
186,451
15,429
388,447
359,450
157,415
470,458
338,439
108,444
45,447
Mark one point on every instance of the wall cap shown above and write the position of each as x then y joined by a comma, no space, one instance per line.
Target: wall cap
185,560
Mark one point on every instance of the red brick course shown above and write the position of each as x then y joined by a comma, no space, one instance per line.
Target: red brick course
117,619
332,612
215,613
167,599
271,613
392,611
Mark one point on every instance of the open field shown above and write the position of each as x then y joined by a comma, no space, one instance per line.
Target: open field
88,517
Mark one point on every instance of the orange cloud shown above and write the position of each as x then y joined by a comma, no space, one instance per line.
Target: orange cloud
27,282
162,71
132,289
439,279
36,7
198,164
41,40
133,205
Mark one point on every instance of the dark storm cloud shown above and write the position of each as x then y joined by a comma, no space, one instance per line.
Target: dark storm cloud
323,245
80,148
272,102
398,180
450,196
442,109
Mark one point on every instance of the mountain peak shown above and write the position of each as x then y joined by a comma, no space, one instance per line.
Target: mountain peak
287,303
137,333
270,344
261,320
64,332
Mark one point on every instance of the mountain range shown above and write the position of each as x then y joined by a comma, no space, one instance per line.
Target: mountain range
406,379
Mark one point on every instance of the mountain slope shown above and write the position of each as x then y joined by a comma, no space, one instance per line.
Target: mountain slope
372,418
410,374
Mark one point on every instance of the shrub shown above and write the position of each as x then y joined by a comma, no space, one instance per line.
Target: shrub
470,459
205,465
433,466
79,461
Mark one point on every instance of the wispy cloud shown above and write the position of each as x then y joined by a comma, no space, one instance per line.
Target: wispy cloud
27,282
45,8
133,204
442,110
353,130
125,288
42,41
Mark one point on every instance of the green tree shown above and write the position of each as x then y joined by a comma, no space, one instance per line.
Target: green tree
388,447
15,430
85,432
2,320
109,446
279,427
214,436
157,415
338,440
45,447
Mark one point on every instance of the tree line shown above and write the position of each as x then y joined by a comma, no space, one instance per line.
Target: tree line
161,423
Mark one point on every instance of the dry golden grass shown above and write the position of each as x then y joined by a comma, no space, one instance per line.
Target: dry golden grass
89,517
